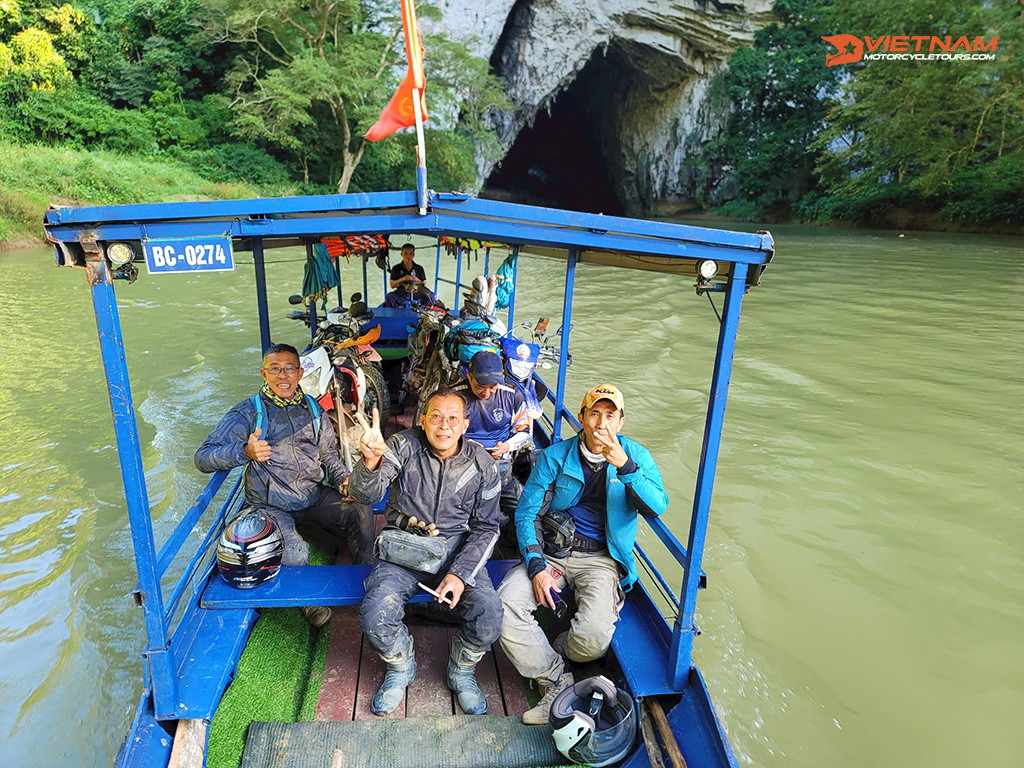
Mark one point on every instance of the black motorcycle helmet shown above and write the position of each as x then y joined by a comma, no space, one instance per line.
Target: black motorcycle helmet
250,549
593,722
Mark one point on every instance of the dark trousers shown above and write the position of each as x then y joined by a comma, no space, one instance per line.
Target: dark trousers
347,520
389,587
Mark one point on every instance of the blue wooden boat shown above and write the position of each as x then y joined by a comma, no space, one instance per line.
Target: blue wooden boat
197,626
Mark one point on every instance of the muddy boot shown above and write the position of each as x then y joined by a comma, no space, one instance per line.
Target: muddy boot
317,615
462,680
549,690
401,671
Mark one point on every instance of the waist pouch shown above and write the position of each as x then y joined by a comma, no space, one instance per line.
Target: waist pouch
558,528
420,553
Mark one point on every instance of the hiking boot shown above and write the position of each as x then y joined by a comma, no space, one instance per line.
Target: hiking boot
539,714
317,615
401,671
462,680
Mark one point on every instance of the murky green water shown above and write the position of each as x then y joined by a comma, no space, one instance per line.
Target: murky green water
865,561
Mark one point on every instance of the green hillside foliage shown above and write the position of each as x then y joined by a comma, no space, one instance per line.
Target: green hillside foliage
274,96
32,177
858,142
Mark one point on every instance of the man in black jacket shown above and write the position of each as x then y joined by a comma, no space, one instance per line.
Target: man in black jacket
452,484
294,471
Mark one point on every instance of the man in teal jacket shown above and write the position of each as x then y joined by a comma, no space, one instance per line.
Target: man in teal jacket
576,522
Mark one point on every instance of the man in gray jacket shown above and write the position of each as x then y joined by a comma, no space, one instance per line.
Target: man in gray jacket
450,484
293,471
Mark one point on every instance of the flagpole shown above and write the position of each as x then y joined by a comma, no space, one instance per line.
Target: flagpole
421,154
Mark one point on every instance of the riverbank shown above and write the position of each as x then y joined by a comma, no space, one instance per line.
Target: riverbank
896,219
33,178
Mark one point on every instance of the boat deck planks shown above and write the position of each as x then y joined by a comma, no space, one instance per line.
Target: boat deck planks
429,694
353,673
337,700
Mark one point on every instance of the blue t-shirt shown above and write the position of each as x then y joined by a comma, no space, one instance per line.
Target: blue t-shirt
493,420
590,512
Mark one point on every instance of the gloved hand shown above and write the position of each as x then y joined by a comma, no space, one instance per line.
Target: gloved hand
413,525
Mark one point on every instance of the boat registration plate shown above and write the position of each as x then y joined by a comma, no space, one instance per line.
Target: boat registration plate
195,254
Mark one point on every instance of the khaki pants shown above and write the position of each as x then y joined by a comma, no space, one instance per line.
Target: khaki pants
594,579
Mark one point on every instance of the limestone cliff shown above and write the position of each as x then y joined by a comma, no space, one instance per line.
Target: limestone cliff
618,84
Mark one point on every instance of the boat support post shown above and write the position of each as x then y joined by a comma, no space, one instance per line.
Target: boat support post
313,321
685,629
512,296
158,654
261,293
563,350
458,276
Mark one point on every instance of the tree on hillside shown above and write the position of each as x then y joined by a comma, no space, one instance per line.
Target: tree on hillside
932,134
35,44
780,92
313,76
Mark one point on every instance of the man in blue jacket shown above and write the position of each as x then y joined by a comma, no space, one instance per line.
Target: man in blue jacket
576,522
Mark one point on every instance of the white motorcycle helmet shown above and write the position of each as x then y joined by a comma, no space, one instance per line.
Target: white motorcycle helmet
594,722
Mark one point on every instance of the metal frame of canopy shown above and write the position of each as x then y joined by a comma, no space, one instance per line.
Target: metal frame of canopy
81,237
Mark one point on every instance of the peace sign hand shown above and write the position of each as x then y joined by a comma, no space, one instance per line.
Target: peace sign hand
611,449
371,443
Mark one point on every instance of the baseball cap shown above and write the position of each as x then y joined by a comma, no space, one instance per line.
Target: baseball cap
486,368
603,392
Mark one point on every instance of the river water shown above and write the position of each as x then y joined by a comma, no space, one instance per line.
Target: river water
865,601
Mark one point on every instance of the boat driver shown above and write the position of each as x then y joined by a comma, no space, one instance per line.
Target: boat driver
439,482
576,522
407,275
408,282
498,420
293,470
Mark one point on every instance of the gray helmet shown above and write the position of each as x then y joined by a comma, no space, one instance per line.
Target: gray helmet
250,549
594,722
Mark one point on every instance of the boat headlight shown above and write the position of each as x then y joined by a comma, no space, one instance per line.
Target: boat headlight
119,254
707,269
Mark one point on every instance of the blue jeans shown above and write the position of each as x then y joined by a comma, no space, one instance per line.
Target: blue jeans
389,587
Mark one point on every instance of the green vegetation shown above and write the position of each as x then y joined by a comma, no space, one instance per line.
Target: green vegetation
108,101
278,678
273,683
274,97
861,142
32,177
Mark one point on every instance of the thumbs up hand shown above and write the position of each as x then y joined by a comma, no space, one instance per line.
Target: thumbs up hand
256,449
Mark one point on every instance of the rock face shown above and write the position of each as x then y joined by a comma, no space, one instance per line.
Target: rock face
606,92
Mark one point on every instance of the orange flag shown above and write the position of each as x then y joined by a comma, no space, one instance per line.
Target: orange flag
399,111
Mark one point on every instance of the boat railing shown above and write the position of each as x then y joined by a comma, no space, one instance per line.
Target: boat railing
182,533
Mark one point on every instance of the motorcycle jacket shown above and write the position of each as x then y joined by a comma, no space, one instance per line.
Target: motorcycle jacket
299,458
459,494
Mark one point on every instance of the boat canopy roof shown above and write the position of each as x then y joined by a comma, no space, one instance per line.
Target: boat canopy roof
289,221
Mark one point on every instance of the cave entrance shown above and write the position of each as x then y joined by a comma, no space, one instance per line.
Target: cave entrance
558,162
